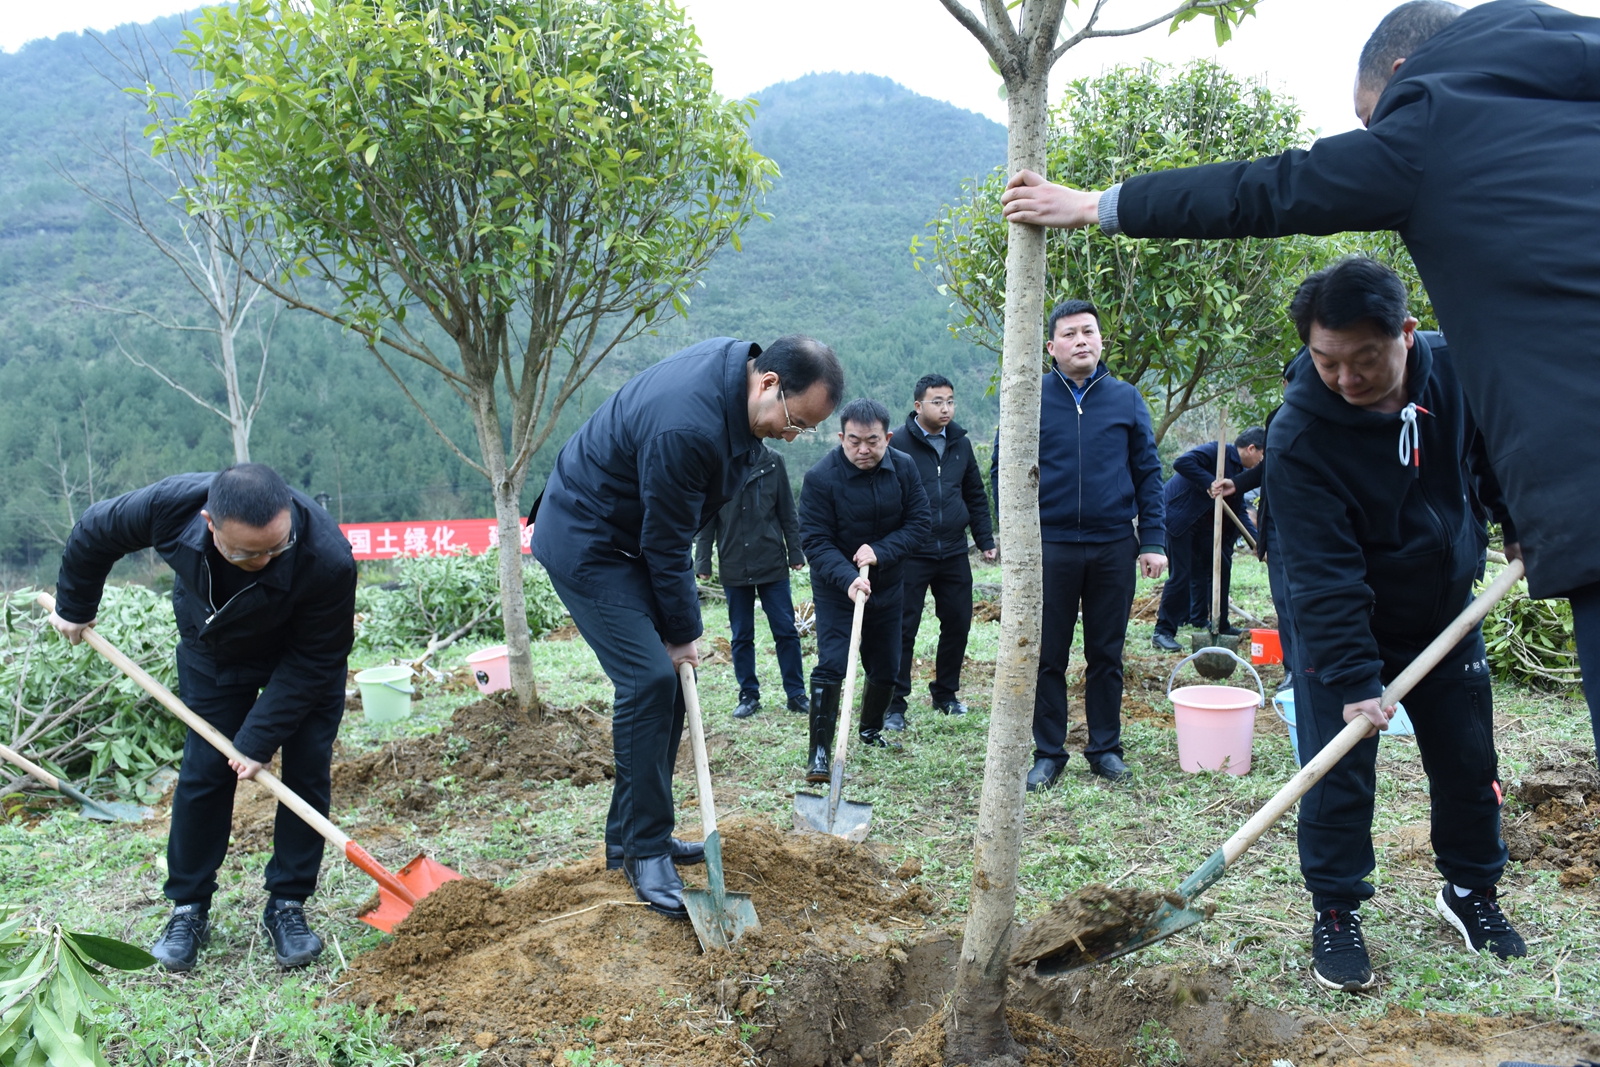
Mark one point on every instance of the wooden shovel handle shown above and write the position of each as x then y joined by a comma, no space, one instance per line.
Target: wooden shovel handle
1217,606
697,742
841,736
17,758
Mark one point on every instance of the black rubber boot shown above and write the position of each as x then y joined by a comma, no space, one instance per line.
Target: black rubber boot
874,702
824,719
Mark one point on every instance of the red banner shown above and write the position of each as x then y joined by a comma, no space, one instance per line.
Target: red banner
452,537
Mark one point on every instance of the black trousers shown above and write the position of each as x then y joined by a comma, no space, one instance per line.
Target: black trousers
1101,578
880,635
1186,598
1586,632
202,802
951,581
647,713
1453,714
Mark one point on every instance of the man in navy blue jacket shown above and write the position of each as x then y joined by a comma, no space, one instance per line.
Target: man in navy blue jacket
861,505
615,528
264,593
1189,496
1098,472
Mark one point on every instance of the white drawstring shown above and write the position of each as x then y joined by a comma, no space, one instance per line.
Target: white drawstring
1410,437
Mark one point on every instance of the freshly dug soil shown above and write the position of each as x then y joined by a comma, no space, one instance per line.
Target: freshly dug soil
1559,825
1087,925
845,963
1045,1045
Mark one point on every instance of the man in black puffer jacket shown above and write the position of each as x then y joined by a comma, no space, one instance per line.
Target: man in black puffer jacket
263,588
861,505
942,452
1368,471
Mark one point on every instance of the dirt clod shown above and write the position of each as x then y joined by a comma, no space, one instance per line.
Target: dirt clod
1558,827
1088,925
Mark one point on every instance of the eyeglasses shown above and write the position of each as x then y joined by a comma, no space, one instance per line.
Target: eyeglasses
940,403
246,557
790,418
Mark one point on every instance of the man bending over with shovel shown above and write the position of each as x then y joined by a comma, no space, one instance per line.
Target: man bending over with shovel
615,528
1368,471
264,591
860,506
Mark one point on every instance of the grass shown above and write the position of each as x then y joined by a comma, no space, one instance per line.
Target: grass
107,879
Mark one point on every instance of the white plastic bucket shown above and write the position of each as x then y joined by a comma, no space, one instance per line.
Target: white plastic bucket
385,693
491,669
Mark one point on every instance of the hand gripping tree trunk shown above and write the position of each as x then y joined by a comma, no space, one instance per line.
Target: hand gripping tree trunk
1023,52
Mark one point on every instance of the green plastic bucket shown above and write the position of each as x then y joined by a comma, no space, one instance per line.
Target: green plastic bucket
385,693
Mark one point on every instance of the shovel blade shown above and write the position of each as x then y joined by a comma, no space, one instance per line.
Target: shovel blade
115,811
1214,665
851,821
720,928
1166,921
422,876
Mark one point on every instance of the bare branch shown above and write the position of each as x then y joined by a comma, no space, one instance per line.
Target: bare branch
974,26
159,373
1089,32
468,460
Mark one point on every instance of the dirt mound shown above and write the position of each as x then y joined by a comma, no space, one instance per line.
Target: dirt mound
1046,1045
1559,826
567,960
1089,924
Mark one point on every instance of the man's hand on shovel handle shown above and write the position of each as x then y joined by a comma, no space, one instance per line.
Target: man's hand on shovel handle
686,653
1372,710
245,768
72,631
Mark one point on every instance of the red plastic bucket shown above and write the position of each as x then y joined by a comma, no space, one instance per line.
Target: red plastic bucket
1216,723
1265,646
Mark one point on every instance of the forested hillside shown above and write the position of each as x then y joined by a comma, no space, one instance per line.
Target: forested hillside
865,164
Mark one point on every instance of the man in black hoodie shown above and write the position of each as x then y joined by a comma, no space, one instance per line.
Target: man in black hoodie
1480,151
1368,470
859,506
942,452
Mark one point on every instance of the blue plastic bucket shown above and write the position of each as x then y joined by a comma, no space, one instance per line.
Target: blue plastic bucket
1283,704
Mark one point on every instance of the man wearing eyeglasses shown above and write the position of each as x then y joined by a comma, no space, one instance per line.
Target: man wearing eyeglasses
264,591
615,529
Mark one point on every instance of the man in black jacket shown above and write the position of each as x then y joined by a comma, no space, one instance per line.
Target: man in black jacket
859,506
942,452
263,590
1188,497
1098,472
1502,236
615,529
750,534
1368,475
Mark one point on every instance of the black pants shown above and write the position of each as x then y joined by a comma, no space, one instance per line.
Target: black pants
1100,577
1586,630
880,635
202,803
778,605
951,581
1453,714
1186,598
647,712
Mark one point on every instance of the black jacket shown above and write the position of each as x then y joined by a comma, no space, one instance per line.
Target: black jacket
1187,492
1098,466
843,507
1483,153
954,486
1375,552
294,619
633,486
751,529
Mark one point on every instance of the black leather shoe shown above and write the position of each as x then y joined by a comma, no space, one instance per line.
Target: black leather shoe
1166,642
895,720
1230,630
293,943
875,701
1044,774
800,705
655,881
179,945
1111,768
748,706
953,707
683,853
875,739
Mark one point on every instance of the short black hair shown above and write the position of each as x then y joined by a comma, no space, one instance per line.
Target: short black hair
1399,34
864,411
249,493
1351,290
931,381
1066,308
1254,437
801,362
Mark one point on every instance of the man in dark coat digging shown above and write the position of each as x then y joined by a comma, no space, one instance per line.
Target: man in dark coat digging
1483,131
264,592
615,529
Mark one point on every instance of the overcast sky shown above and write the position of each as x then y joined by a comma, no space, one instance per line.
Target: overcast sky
1307,47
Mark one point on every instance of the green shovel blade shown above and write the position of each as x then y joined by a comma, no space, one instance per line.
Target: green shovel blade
720,918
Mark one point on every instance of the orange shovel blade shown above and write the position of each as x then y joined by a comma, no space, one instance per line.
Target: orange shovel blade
421,876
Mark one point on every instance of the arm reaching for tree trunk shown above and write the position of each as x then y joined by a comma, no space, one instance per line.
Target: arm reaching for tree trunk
1030,198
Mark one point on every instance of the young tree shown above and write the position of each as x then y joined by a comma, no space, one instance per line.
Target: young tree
1188,322
501,192
1023,51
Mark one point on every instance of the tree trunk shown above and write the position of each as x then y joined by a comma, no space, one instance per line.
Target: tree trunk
508,515
976,1028
238,417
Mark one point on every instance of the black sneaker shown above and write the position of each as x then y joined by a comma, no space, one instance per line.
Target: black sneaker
187,930
748,706
1480,922
1339,957
293,943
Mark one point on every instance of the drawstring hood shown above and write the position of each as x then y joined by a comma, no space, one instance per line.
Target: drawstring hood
1411,438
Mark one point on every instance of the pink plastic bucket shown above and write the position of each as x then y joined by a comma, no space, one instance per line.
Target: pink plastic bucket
1216,723
491,669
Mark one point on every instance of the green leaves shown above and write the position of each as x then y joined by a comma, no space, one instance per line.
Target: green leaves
50,999
111,952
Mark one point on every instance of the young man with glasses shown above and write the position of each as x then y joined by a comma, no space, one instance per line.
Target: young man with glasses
264,593
615,529
942,453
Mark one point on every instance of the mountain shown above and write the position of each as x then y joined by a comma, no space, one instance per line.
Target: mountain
865,164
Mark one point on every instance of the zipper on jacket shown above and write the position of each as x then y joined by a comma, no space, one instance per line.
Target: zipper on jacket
210,600
1077,403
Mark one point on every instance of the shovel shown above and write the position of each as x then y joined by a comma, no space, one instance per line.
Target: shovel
1210,664
720,918
833,814
1176,914
104,810
397,893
